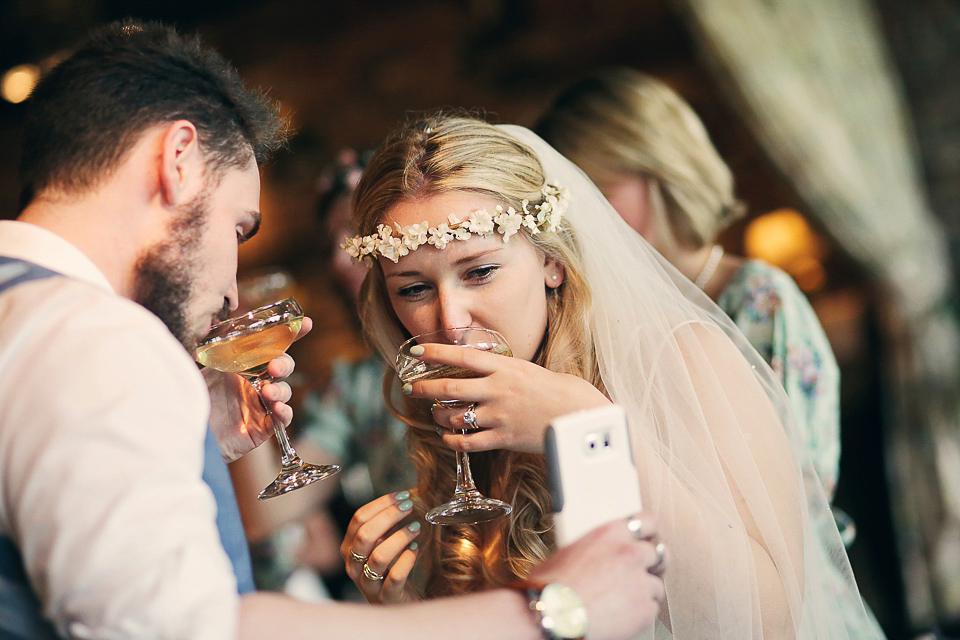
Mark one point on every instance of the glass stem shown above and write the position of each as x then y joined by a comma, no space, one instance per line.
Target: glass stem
465,482
289,457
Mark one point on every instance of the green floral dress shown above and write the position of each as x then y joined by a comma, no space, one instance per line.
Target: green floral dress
351,422
779,322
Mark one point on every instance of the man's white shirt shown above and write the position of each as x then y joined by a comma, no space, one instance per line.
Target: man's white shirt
103,416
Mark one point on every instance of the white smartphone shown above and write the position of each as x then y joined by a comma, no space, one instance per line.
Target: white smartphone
592,476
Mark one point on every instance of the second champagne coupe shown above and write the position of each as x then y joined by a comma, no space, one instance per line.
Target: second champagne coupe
245,345
468,504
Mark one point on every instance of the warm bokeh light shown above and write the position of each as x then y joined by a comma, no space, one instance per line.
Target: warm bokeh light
18,82
809,273
785,239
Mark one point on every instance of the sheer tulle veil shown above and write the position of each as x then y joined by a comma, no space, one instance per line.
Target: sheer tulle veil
754,548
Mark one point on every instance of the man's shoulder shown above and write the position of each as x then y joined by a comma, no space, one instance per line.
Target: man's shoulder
58,315
72,304
95,361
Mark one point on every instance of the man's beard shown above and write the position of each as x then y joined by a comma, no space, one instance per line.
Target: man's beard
164,275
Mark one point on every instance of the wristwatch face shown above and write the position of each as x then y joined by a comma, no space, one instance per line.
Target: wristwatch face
563,613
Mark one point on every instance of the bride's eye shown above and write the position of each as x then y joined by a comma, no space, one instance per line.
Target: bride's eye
482,274
413,291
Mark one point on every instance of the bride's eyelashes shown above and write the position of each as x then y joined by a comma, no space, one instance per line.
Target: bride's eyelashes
480,275
413,291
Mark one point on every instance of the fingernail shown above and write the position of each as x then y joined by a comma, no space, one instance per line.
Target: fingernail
406,505
402,495
407,388
413,546
414,526
416,350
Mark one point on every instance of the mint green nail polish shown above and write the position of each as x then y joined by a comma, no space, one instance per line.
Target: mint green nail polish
401,495
413,546
414,526
416,350
407,388
406,505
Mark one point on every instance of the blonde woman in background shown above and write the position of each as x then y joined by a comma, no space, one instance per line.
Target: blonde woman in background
650,155
464,223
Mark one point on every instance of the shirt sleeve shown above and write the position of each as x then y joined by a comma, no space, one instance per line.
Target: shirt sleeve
102,454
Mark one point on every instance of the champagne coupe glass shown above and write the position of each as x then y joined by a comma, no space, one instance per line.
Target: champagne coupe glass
245,345
468,504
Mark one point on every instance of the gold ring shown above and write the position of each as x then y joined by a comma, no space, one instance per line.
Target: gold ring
370,574
356,556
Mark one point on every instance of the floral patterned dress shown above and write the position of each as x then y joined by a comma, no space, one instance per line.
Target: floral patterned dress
350,421
779,322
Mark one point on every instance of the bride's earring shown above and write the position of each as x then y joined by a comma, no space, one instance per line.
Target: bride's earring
553,276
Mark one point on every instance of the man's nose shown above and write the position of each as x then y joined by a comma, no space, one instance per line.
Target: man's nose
232,299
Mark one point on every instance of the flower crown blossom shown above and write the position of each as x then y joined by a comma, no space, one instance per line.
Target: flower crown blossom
545,216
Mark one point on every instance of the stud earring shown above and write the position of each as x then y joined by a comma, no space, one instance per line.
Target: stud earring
555,276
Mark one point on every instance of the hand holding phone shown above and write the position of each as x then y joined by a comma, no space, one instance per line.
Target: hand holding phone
592,476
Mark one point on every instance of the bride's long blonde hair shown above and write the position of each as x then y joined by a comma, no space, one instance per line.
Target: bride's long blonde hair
438,154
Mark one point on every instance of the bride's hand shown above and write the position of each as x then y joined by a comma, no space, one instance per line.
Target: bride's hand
379,548
515,399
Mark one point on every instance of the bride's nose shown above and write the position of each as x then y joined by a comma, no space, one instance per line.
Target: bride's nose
453,309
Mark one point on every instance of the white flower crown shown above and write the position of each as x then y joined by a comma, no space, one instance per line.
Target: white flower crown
545,216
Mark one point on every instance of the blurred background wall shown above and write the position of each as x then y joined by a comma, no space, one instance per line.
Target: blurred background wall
840,120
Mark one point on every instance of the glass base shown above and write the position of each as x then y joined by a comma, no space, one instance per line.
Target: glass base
296,477
468,508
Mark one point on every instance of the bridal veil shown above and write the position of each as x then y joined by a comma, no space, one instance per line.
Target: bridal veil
755,552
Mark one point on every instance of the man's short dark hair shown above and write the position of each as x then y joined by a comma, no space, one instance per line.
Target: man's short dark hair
90,110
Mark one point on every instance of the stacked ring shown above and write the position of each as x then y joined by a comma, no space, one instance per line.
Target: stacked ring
370,574
357,557
635,526
661,564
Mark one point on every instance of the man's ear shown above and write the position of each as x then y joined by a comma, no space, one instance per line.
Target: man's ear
553,273
181,164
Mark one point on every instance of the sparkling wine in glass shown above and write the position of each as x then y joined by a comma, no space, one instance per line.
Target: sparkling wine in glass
245,345
468,504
